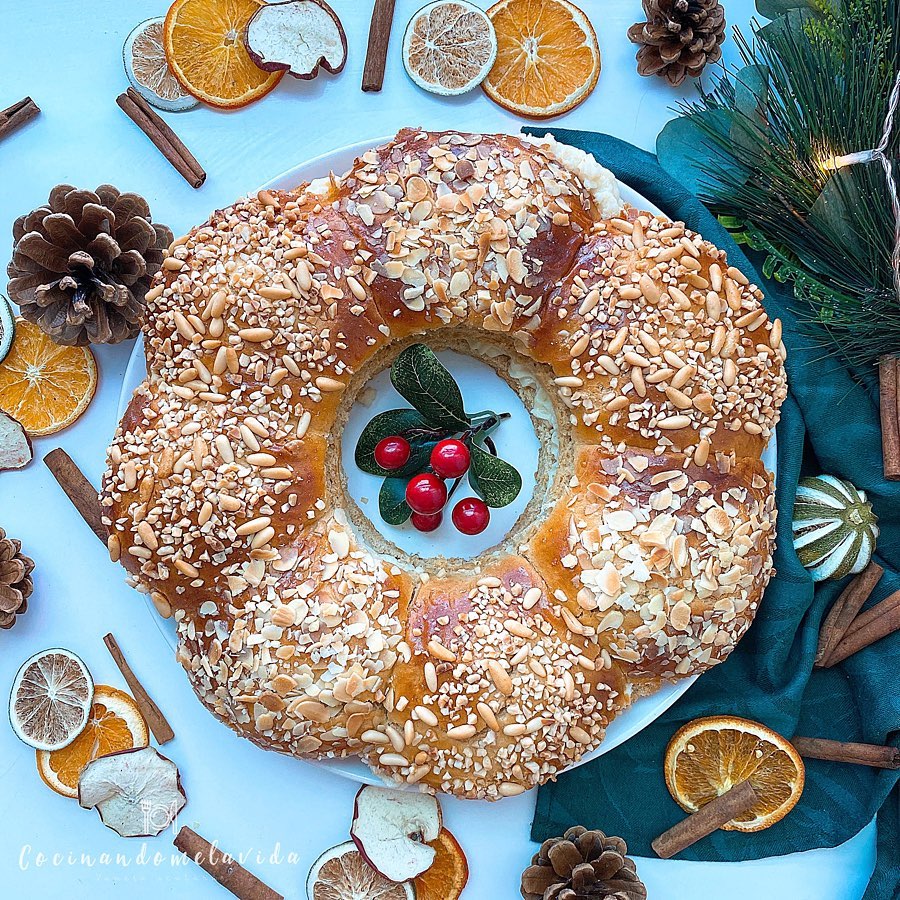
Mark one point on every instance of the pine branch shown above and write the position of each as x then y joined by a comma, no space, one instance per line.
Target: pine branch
815,84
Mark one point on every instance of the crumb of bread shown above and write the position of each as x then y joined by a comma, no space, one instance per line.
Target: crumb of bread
600,182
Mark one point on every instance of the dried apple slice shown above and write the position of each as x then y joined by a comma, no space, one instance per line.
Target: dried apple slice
138,793
392,830
15,445
7,327
297,36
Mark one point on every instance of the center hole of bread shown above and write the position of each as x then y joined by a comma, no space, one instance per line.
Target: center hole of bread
483,388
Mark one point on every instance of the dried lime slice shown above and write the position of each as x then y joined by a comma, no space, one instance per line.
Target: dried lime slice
342,872
449,47
51,699
148,71
7,327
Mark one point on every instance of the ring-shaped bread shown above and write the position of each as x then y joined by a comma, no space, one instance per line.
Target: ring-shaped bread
646,563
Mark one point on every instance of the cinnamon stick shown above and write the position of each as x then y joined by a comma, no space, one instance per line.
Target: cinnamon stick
845,610
379,40
874,612
164,139
226,870
876,623
705,821
152,714
78,489
889,397
848,752
18,114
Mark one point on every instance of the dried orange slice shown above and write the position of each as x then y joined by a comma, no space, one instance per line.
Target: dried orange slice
447,875
548,59
43,385
115,724
709,756
51,699
204,43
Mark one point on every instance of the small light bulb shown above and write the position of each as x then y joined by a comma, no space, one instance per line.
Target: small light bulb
833,163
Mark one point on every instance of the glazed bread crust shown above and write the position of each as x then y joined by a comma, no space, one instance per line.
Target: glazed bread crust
225,501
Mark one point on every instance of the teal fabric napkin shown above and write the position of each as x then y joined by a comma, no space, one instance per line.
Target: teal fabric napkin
829,425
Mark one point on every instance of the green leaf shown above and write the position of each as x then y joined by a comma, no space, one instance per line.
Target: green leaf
493,479
392,501
418,376
771,9
688,155
407,423
732,223
751,88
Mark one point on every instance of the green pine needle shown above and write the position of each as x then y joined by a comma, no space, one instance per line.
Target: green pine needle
819,88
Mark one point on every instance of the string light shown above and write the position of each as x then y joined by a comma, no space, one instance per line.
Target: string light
878,154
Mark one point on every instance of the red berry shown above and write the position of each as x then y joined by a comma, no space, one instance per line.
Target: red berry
427,523
392,453
450,458
426,494
471,516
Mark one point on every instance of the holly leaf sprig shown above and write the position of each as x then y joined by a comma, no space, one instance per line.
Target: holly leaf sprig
438,412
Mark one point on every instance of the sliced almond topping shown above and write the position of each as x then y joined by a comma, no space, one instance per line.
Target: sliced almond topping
312,710
510,789
610,581
515,265
717,520
283,616
680,616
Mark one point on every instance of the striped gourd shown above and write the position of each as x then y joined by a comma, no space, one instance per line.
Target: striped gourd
834,527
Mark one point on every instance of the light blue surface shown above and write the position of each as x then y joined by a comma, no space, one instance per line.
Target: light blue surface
279,812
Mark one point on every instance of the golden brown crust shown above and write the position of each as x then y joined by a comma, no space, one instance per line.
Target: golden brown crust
665,562
658,343
498,693
302,638
299,656
463,228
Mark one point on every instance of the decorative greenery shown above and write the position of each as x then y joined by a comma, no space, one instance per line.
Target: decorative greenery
438,413
815,85
392,501
419,377
493,479
407,423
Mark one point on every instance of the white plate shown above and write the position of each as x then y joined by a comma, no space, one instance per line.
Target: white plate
629,723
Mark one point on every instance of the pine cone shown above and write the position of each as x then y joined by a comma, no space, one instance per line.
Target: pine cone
679,37
582,865
82,264
15,580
